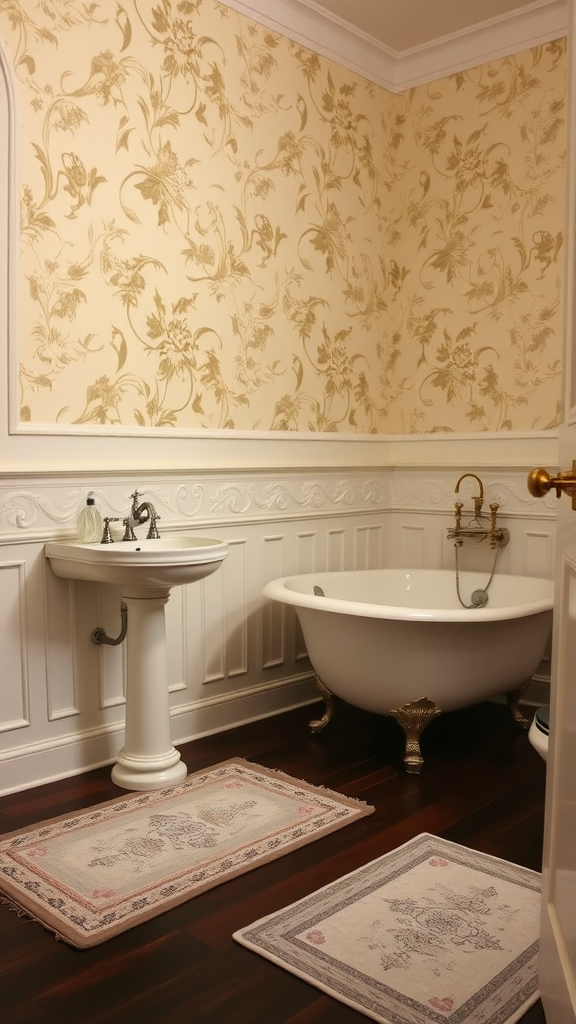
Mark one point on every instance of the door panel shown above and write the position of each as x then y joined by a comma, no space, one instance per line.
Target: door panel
558,927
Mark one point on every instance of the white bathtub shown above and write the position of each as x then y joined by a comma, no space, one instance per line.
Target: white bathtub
398,642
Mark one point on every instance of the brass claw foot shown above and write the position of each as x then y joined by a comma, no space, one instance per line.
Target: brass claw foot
317,724
513,698
414,717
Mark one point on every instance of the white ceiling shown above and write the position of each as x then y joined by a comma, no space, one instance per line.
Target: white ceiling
403,24
401,43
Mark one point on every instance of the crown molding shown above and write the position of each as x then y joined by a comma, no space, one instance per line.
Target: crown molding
533,25
313,27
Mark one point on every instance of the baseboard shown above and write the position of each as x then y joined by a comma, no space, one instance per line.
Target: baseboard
26,767
248,705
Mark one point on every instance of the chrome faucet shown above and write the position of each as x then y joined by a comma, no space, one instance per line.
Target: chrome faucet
142,512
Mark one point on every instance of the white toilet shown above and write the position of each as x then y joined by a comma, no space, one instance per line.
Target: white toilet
538,732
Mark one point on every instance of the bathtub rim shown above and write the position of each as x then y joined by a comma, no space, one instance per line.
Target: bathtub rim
277,590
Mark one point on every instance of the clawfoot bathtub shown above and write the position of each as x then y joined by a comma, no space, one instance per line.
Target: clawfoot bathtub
398,642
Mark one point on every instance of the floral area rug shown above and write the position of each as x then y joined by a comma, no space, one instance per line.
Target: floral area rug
431,932
97,873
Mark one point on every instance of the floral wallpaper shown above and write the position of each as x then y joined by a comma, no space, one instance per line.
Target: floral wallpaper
221,229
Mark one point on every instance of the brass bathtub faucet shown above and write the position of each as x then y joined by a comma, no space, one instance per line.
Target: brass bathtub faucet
479,525
479,499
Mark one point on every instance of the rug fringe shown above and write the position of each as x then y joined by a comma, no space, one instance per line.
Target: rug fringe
27,915
5,901
353,800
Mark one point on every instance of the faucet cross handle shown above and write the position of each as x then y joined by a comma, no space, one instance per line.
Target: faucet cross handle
135,498
494,506
153,529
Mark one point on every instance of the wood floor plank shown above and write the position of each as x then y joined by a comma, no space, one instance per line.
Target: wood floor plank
482,785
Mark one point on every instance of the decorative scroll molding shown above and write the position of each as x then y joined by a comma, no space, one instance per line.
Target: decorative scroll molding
189,500
216,498
211,500
417,491
281,496
25,509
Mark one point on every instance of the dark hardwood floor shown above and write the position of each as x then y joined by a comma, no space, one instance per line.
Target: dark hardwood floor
482,786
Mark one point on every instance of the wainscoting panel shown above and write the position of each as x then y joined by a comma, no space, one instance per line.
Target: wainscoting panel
15,704
538,553
59,651
368,547
306,561
306,552
273,615
111,660
233,656
413,546
336,551
177,639
234,576
213,621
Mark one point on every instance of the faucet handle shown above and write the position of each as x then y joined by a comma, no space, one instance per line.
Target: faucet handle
128,531
153,529
107,537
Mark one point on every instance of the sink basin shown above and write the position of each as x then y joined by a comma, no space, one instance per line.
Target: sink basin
140,564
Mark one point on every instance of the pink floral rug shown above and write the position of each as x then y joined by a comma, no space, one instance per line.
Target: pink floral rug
97,873
430,932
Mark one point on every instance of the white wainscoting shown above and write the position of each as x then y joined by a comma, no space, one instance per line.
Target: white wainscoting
232,656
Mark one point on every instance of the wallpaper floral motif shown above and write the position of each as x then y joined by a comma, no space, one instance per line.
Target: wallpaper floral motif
222,229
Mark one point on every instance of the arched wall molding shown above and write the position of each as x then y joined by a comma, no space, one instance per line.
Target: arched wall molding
8,240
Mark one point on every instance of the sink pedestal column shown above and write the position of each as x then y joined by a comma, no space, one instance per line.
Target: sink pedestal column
148,760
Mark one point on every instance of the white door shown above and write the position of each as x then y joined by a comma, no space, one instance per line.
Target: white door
558,930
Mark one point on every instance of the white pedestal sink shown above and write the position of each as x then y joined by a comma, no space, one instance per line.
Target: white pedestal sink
146,571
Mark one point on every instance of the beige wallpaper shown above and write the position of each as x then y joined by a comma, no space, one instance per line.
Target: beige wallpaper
221,229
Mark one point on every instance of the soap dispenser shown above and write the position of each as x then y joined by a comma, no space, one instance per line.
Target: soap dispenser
90,522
